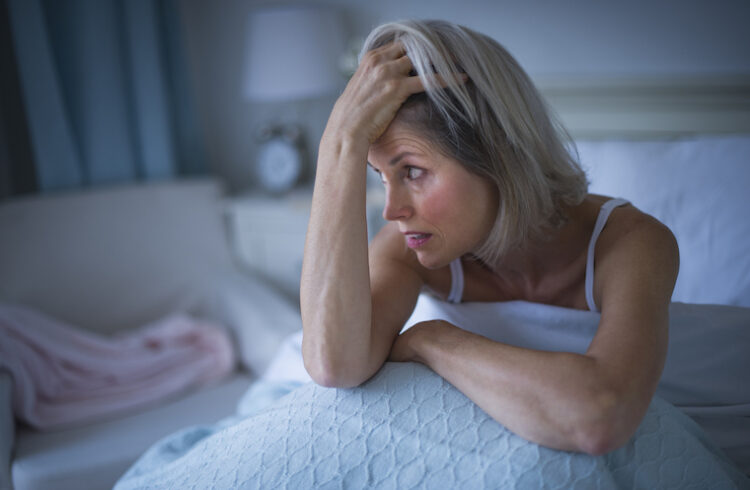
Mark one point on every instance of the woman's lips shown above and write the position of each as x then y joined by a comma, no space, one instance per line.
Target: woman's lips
416,240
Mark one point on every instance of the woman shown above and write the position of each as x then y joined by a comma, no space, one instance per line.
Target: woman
480,187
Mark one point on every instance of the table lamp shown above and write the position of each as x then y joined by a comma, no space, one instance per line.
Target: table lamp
292,55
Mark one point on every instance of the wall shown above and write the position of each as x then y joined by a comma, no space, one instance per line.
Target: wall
577,39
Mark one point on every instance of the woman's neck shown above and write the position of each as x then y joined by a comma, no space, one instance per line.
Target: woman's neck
552,255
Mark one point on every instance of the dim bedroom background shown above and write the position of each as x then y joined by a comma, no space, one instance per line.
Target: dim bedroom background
142,347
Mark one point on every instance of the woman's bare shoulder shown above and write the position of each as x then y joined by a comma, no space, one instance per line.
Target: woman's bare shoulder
634,239
389,245
395,281
630,226
624,220
388,250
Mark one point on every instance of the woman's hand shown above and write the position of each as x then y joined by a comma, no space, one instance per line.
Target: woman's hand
373,95
407,345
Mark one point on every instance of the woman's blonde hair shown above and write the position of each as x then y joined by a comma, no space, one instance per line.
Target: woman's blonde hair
496,125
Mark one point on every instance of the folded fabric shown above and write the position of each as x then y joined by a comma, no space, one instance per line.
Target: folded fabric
63,375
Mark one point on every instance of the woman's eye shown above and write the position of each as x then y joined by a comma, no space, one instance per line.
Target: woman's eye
413,173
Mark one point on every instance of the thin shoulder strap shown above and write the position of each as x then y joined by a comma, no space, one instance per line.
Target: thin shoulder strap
601,220
457,281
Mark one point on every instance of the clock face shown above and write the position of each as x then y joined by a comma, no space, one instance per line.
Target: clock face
279,165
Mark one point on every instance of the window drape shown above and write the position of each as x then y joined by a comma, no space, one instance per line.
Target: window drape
104,91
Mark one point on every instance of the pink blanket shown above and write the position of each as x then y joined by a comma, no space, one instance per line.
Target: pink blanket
63,375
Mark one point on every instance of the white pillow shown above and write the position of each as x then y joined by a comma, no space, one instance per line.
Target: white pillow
113,257
259,316
699,188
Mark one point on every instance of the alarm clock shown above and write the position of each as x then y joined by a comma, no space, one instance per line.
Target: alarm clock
279,163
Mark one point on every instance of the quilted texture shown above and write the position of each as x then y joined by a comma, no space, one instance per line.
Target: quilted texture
409,428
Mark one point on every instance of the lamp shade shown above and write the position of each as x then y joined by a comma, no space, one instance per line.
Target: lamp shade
293,53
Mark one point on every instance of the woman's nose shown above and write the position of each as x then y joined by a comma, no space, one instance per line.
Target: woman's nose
397,205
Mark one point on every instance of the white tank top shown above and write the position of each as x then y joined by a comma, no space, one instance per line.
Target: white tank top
457,272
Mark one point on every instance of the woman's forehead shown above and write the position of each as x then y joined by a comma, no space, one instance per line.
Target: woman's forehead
399,138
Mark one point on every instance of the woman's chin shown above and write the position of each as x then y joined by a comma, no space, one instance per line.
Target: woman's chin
431,261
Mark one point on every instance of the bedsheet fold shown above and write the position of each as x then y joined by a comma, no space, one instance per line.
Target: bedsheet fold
63,375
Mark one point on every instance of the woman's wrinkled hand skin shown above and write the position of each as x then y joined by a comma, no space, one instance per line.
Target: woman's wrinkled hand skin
406,346
374,94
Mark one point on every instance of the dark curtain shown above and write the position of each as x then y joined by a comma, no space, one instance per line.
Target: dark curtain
17,173
94,92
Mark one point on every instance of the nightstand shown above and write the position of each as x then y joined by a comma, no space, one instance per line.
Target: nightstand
267,234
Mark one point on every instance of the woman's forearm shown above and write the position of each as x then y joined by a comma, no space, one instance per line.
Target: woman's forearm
559,400
336,299
335,286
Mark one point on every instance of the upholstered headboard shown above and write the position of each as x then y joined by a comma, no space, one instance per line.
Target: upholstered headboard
650,108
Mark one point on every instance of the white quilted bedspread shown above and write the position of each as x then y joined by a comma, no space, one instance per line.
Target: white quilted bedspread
409,428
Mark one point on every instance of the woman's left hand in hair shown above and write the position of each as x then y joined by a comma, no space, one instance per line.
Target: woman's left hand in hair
382,82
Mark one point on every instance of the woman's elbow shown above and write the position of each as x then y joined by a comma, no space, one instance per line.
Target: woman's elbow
330,374
600,441
328,378
609,427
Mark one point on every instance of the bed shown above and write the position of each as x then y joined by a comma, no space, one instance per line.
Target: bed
678,151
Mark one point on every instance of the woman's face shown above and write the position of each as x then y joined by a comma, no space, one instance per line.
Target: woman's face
442,209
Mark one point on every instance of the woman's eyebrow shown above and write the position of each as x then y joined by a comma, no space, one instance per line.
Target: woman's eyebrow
398,157
395,159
